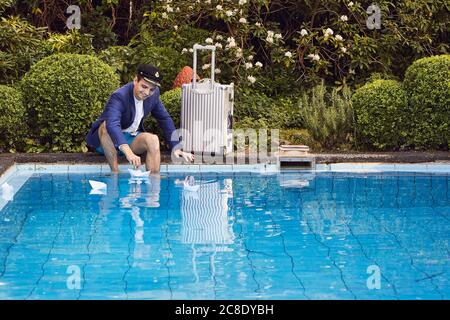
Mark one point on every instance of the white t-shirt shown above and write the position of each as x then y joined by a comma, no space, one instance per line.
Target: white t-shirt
139,114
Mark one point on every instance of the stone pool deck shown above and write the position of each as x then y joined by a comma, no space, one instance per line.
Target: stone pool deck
8,159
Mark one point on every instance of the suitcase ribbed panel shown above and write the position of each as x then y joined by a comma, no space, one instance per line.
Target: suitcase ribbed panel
202,113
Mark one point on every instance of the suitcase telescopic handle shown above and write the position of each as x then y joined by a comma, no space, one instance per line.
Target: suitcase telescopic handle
213,67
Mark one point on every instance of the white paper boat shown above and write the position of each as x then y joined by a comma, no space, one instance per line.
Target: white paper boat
191,188
189,184
98,191
7,188
138,173
97,185
7,192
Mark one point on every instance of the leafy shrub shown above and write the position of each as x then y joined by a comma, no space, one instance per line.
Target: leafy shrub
118,58
382,118
71,42
12,119
299,136
172,102
327,117
64,94
251,105
20,46
427,83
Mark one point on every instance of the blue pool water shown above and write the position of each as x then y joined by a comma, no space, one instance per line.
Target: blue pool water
241,236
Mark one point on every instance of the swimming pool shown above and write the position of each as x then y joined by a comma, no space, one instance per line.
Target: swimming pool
329,235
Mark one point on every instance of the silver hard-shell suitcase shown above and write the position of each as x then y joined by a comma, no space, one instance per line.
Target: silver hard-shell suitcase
207,112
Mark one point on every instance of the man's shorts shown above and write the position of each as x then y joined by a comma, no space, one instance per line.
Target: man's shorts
130,138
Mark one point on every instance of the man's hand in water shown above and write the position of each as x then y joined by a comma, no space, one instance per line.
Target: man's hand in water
188,157
131,157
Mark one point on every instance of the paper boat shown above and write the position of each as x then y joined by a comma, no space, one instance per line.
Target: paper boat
189,188
138,173
97,185
98,191
7,192
6,188
189,184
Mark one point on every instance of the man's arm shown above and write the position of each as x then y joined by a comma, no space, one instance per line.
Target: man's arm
113,115
164,121
113,112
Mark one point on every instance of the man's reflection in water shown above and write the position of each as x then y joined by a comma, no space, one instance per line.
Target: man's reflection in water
205,223
143,193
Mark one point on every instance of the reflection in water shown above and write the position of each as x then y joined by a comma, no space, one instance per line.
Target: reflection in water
205,223
137,198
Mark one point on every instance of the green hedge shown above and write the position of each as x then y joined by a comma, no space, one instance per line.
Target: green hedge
64,94
12,119
382,118
427,83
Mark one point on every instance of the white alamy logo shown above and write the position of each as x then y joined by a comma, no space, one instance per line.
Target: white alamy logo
374,280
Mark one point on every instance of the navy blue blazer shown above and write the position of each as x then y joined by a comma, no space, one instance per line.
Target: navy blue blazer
119,114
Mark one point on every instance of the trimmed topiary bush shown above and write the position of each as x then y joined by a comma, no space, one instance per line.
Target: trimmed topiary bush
12,119
427,83
64,94
382,117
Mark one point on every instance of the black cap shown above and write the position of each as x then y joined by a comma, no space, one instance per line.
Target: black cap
150,74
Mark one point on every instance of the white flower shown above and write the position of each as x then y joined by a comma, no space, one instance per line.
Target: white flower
304,32
329,32
175,27
231,44
278,36
219,37
288,54
242,2
344,18
350,4
206,66
258,64
191,50
243,20
250,57
269,39
344,49
184,50
169,8
218,45
339,37
229,13
164,15
217,71
239,53
351,71
169,1
258,24
314,57
230,39
219,7
251,79
270,34
208,1
209,40
248,65
177,9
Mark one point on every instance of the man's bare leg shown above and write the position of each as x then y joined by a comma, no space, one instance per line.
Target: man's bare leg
108,148
147,142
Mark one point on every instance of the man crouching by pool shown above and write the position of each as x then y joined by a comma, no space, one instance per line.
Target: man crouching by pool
120,130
